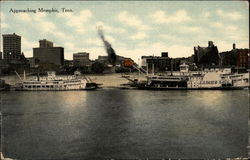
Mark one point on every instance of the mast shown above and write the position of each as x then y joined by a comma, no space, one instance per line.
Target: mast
147,69
153,68
139,74
38,77
24,75
18,76
171,66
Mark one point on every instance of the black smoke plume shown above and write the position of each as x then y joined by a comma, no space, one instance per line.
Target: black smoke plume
110,51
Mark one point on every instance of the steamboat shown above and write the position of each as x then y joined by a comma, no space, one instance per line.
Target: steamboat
54,83
215,78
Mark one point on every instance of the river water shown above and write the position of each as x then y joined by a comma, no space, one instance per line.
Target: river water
115,123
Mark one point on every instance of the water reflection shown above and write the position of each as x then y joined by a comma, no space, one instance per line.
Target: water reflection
74,99
106,126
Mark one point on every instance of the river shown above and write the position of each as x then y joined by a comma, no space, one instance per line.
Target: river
115,123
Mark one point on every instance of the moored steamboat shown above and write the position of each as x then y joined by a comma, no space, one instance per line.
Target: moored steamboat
54,83
216,78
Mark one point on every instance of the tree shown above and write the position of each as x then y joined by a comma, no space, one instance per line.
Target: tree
97,67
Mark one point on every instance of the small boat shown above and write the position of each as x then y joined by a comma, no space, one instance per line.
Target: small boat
4,86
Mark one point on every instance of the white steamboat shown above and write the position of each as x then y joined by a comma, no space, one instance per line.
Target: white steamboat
54,83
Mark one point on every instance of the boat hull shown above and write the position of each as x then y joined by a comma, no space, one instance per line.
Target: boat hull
186,88
92,87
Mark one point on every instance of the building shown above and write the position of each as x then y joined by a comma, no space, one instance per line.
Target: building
81,59
103,59
45,44
68,63
165,63
4,66
128,62
48,54
229,58
13,59
206,56
156,63
12,46
235,58
242,57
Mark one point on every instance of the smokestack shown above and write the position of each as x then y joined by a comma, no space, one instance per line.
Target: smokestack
164,54
234,46
110,51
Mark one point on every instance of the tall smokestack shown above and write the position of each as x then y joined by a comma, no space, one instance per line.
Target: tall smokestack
234,46
110,51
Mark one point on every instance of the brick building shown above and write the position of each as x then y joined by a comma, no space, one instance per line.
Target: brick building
235,58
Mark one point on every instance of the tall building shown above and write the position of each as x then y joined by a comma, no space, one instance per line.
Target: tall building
12,46
206,56
81,59
47,53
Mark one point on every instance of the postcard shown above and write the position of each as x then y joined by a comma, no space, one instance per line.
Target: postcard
124,80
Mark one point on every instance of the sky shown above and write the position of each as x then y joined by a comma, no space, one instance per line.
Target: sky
133,28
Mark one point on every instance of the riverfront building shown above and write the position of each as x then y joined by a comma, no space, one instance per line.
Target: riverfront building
12,58
164,63
235,58
155,63
48,54
81,59
206,56
12,46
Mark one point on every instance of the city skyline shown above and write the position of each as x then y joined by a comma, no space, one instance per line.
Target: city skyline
133,28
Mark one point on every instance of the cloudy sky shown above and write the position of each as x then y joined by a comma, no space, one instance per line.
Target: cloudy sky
133,28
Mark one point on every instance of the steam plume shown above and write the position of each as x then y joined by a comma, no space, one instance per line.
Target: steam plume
110,51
